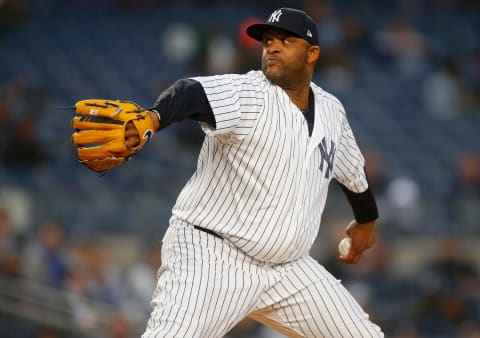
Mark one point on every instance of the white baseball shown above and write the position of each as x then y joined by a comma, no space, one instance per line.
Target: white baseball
344,246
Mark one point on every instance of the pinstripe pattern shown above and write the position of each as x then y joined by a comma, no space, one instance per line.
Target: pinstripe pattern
311,302
207,285
258,181
261,183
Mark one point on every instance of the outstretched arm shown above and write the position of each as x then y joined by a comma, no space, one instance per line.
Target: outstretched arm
185,99
108,132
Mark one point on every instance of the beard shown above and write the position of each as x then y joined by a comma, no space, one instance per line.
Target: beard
275,73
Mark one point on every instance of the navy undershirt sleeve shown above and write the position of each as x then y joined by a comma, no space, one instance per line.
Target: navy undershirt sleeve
184,99
363,204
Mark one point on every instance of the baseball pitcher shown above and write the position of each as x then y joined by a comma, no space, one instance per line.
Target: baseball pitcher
242,227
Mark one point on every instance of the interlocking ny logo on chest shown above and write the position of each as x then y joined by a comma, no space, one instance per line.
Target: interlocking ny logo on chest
327,155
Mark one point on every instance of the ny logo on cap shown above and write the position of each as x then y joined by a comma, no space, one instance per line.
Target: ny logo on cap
275,17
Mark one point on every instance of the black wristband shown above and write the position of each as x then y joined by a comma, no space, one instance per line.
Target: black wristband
363,204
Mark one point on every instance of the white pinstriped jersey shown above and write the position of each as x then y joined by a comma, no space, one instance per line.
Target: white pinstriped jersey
261,179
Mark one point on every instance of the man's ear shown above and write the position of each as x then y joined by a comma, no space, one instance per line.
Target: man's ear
313,54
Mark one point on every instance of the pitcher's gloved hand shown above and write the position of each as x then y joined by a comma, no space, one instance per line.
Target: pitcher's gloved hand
100,132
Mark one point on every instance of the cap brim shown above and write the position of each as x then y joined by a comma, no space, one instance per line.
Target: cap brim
256,30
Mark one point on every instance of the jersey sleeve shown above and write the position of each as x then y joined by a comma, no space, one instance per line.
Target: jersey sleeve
183,99
236,102
349,164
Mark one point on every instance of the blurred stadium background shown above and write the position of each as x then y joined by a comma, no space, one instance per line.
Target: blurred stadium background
78,252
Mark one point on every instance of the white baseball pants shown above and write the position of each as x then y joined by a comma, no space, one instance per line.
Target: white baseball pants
206,286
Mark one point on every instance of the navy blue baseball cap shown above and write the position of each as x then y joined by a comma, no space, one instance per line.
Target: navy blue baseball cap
294,21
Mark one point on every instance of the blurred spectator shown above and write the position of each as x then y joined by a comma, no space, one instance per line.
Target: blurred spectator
375,166
19,203
405,208
20,102
472,74
103,279
220,55
354,32
48,332
92,277
443,92
23,96
180,43
8,241
472,79
98,279
400,44
387,294
118,327
141,279
12,12
399,198
44,258
330,32
82,312
406,332
443,312
449,268
450,288
5,125
9,246
470,330
463,196
24,150
334,64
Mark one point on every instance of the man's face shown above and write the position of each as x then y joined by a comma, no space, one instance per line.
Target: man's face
284,56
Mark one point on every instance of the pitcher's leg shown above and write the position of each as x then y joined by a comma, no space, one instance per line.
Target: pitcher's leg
310,302
200,293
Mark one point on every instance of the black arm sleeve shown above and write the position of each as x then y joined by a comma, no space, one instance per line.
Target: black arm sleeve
363,204
184,99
